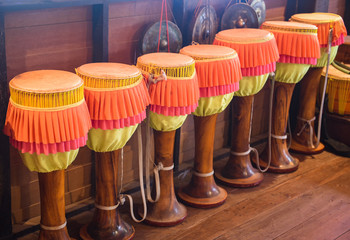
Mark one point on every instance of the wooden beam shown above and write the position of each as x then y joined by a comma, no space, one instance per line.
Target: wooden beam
100,25
5,181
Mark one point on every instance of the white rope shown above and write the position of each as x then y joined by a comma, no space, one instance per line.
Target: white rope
198,174
279,137
311,133
272,75
162,168
330,36
149,147
106,208
122,196
241,153
53,228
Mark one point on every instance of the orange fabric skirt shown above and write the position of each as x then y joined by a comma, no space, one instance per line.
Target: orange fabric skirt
253,54
175,92
117,104
218,73
47,126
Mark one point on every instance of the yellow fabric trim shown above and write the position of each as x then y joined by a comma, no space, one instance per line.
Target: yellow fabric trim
290,72
174,78
109,140
212,105
48,163
322,61
172,72
251,85
116,88
47,100
261,40
112,83
287,30
164,123
53,109
211,59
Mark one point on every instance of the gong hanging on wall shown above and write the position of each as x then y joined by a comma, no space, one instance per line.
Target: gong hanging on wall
239,15
204,25
150,38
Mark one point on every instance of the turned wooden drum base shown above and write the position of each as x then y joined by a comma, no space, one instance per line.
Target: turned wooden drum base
251,181
208,202
238,171
167,211
202,191
107,223
299,148
281,160
122,233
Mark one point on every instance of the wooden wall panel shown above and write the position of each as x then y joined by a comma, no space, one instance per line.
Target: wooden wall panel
47,39
275,10
337,6
128,23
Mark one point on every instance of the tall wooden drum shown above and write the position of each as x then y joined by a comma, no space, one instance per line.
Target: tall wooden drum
174,94
258,53
299,48
48,121
304,139
117,97
219,71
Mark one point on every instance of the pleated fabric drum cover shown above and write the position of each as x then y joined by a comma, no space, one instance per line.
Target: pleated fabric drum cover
47,118
298,46
258,53
117,97
173,99
219,71
324,22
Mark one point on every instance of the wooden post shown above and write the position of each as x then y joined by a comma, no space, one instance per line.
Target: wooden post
100,25
5,181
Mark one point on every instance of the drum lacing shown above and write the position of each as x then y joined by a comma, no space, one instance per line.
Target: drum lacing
256,154
308,123
48,228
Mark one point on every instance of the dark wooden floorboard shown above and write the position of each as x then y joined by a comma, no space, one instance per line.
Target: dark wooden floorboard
311,203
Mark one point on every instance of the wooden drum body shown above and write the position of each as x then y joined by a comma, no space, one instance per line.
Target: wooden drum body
298,46
117,98
174,94
48,121
219,71
258,53
304,139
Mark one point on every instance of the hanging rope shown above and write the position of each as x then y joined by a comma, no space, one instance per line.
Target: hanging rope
164,6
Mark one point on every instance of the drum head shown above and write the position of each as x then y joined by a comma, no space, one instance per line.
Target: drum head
204,26
260,9
150,39
239,16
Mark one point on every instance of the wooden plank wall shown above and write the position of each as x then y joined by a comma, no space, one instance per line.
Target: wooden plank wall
62,39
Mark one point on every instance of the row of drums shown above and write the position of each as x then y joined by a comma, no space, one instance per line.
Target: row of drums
51,114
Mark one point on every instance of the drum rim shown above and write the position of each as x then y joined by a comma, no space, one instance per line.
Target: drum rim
109,77
296,18
244,39
13,84
231,53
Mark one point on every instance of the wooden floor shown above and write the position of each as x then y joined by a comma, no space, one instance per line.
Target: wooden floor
311,203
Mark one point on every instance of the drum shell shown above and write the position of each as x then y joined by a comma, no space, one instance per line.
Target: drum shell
337,104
